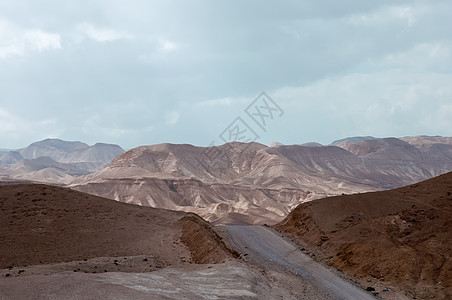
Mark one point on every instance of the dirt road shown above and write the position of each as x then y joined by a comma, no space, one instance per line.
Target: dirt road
267,249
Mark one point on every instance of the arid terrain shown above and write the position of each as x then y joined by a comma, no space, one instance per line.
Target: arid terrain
57,243
234,183
252,183
61,243
399,239
396,242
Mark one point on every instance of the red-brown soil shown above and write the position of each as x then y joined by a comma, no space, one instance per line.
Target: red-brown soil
400,238
43,224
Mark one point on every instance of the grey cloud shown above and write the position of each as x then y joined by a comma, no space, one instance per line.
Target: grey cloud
127,70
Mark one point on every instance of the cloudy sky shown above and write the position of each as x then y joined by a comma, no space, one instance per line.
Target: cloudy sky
144,72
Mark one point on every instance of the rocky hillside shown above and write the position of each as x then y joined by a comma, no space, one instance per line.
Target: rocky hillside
400,238
43,224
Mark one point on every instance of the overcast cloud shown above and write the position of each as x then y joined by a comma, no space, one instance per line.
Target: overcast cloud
145,72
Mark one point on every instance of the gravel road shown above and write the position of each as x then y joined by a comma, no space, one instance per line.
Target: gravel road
265,248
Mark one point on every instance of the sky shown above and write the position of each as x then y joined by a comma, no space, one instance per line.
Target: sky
146,72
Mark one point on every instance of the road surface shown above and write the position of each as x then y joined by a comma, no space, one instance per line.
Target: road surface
267,249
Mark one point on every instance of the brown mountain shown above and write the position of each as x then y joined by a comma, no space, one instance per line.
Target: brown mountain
43,224
253,183
400,238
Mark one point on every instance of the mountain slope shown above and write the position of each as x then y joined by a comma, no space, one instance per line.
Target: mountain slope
47,224
10,157
399,238
53,148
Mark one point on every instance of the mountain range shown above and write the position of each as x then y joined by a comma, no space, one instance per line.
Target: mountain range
250,183
240,183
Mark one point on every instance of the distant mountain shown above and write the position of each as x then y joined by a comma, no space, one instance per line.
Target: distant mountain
4,150
274,144
56,161
72,152
53,148
425,142
44,169
253,183
9,158
353,140
312,144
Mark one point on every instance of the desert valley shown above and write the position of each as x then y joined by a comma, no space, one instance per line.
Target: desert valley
361,218
154,149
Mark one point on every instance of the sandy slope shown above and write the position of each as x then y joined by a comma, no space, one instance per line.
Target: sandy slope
48,224
400,238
